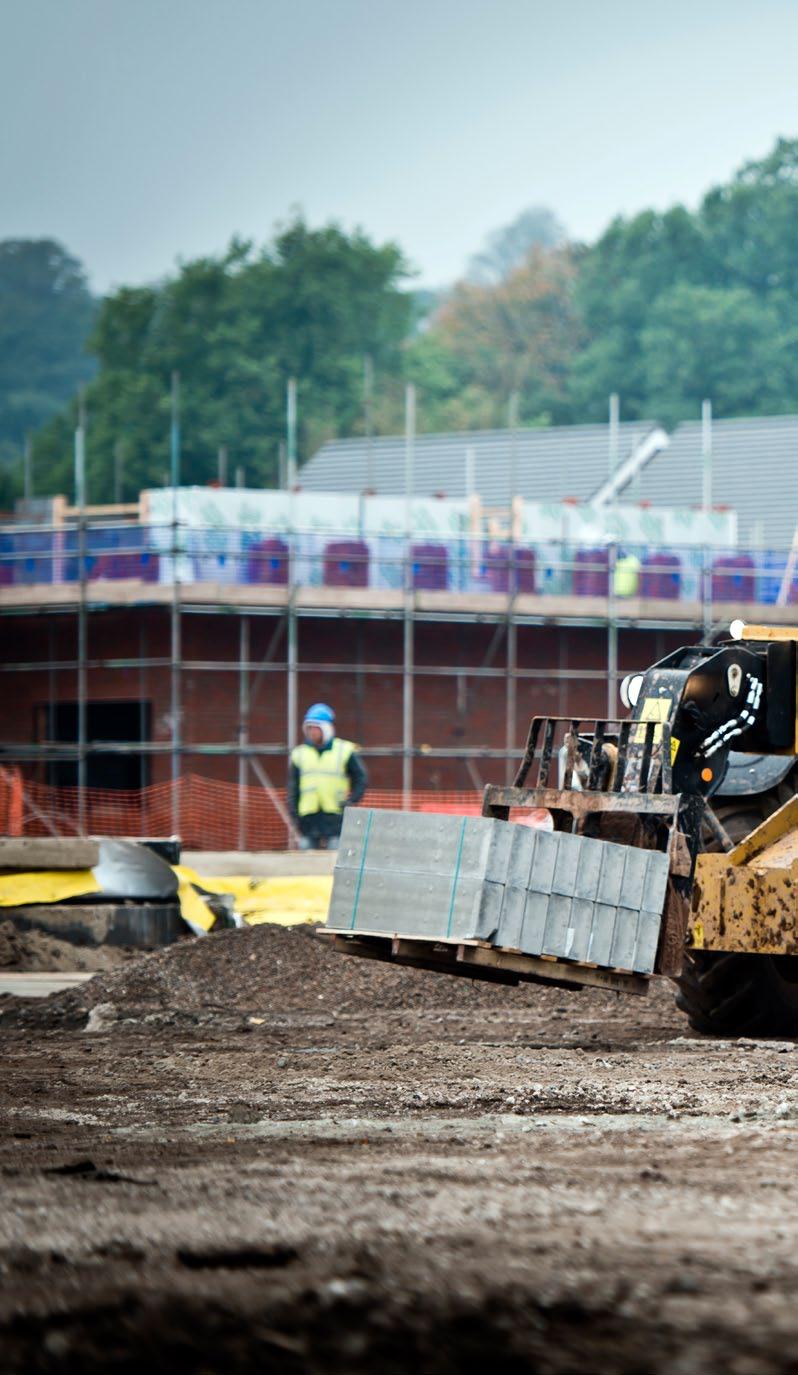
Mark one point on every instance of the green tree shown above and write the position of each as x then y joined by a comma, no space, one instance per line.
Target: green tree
620,278
720,342
46,315
749,225
681,306
311,305
665,308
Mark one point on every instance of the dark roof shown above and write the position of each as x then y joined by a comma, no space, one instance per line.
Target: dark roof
754,468
564,461
754,471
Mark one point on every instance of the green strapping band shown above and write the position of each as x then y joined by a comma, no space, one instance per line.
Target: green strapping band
356,899
455,877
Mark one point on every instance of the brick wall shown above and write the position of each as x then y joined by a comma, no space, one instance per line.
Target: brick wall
454,711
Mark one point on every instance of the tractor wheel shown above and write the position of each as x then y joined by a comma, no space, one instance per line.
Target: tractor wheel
739,995
735,994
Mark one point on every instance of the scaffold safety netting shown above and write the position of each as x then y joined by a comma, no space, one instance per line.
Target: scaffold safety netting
210,814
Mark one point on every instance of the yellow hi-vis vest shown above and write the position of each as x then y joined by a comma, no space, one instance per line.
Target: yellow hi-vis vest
323,780
627,576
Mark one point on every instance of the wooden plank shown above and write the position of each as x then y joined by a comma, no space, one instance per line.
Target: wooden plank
580,803
27,853
40,985
116,508
329,932
433,961
479,959
530,967
349,598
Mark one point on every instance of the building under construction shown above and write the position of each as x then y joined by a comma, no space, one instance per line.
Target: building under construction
157,658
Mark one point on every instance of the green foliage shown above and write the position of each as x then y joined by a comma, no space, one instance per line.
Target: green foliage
10,474
46,314
720,342
681,306
312,305
632,264
750,224
665,308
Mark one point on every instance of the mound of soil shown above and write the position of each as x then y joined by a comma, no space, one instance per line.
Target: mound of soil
30,951
263,970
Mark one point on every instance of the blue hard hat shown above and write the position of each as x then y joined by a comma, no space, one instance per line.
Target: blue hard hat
320,712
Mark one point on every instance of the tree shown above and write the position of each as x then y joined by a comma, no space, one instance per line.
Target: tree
508,248
46,315
681,306
489,341
720,342
750,225
665,309
620,278
310,305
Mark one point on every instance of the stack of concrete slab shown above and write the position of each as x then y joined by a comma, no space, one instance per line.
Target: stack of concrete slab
475,878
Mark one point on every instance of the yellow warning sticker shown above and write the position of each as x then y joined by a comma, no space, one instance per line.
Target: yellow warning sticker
698,935
654,709
674,748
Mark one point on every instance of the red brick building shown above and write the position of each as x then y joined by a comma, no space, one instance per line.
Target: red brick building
449,687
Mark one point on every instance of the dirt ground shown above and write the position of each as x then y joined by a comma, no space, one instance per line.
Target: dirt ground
248,1153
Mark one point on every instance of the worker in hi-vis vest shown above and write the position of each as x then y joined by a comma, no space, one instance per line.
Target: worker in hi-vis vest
626,581
326,775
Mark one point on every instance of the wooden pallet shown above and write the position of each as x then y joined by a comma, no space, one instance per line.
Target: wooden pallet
474,959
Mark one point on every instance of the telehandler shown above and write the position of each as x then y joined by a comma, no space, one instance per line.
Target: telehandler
670,847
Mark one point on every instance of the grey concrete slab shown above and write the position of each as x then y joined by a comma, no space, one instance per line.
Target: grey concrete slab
27,853
259,863
544,893
40,985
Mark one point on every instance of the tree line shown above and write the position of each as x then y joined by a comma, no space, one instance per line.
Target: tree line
665,308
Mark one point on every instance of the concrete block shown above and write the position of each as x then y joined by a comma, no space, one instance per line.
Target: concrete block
543,893
28,853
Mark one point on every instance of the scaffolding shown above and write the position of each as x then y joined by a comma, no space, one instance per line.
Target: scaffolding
290,610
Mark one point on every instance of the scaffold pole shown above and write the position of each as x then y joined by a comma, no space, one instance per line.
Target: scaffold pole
80,502
243,728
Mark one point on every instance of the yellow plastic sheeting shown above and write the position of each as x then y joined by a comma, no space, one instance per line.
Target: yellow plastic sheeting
285,901
49,885
193,908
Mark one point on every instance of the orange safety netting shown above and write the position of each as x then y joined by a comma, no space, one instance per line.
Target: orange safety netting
210,815
11,802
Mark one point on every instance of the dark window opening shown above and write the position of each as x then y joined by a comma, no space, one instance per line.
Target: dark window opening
122,721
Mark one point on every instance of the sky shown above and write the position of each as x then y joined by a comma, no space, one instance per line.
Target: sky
143,132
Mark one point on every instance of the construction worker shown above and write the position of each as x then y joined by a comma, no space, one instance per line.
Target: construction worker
326,775
626,581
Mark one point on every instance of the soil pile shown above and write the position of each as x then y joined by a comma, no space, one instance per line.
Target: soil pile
30,951
262,970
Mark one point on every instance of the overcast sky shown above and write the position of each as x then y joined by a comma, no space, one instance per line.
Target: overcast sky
142,131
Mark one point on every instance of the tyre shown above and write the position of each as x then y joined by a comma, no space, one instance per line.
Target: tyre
734,994
739,995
